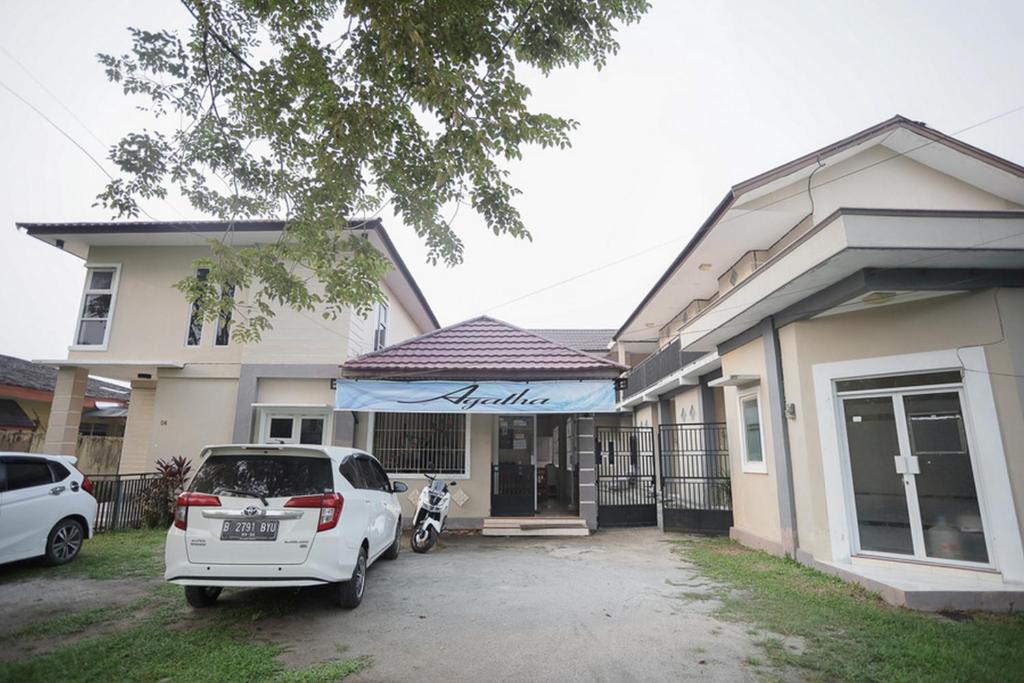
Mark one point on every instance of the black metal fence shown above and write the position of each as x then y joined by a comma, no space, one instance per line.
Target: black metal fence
121,499
512,488
695,484
625,476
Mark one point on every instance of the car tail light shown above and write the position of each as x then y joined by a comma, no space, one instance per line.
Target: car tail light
86,484
330,505
187,500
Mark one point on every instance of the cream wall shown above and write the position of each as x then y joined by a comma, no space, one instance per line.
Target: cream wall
947,322
754,494
295,391
477,487
687,406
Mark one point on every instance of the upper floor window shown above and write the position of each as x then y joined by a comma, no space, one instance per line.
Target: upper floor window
96,313
195,318
380,334
224,321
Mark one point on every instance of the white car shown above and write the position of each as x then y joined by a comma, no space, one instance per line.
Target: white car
283,515
46,507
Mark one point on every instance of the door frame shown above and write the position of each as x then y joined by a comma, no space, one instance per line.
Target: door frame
981,422
910,490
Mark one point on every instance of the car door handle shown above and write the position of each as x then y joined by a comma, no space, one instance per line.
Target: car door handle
56,490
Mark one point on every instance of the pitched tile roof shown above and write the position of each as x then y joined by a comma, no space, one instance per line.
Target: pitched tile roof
581,339
481,348
16,372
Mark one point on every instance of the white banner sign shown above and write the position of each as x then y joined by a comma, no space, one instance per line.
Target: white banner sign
574,396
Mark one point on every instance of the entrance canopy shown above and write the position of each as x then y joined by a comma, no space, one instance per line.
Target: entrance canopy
579,396
482,365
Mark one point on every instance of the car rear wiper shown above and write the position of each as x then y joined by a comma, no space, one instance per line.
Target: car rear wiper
242,492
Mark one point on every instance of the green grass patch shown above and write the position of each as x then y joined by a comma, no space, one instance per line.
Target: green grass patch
110,555
849,634
155,638
165,647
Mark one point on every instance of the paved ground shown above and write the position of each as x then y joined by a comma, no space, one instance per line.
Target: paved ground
617,606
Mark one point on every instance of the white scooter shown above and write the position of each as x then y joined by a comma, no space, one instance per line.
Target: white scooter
431,514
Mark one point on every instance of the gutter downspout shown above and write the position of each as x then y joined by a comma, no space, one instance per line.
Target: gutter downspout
780,437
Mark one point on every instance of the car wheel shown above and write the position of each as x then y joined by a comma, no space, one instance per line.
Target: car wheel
392,552
350,593
64,542
423,538
202,596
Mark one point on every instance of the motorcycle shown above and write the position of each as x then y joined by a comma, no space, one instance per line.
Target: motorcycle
431,514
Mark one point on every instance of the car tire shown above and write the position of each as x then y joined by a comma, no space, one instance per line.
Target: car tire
202,596
350,593
423,539
64,541
396,546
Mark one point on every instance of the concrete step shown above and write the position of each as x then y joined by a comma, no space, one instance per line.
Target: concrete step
534,526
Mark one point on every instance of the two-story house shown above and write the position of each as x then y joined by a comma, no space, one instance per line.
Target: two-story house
855,318
192,383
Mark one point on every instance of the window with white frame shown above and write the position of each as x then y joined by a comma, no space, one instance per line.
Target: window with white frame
97,310
286,425
380,333
414,443
194,335
751,441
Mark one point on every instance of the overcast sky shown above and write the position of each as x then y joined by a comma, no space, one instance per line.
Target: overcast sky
701,96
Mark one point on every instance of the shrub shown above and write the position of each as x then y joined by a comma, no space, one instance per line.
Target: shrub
158,499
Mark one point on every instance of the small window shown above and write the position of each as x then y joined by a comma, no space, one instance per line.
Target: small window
281,427
59,472
899,381
311,430
352,473
374,478
380,335
751,440
195,319
23,474
97,306
224,323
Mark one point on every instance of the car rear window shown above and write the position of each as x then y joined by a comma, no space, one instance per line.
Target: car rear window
272,476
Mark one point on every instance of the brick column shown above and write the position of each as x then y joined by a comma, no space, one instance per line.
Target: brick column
138,430
586,464
66,411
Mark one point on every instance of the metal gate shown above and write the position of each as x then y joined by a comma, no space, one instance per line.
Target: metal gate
695,488
512,489
624,459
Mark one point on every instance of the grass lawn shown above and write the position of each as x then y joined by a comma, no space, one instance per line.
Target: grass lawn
157,638
849,634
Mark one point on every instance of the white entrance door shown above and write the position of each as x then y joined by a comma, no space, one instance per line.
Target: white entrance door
297,428
912,476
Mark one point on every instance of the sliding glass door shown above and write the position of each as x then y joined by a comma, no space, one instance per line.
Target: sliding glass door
912,475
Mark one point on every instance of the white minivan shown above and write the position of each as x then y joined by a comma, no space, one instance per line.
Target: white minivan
282,515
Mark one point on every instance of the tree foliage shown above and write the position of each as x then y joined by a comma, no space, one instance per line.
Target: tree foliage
314,111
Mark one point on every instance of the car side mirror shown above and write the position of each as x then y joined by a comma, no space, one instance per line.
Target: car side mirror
399,487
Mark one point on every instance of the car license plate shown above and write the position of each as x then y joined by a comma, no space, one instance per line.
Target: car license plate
249,530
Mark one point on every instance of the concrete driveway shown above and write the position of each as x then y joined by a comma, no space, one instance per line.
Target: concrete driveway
616,606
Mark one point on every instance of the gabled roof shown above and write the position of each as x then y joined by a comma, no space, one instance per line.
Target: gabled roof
77,237
481,348
582,339
903,136
16,372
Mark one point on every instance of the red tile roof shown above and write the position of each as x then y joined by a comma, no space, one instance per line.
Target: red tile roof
481,348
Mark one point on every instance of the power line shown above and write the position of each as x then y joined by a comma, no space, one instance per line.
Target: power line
774,202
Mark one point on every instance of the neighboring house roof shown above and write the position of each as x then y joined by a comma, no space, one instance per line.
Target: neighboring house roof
590,340
17,372
12,416
160,233
904,136
481,348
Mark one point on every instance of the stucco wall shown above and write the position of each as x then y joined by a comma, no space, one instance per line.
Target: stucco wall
477,486
948,322
189,414
295,391
754,494
687,407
